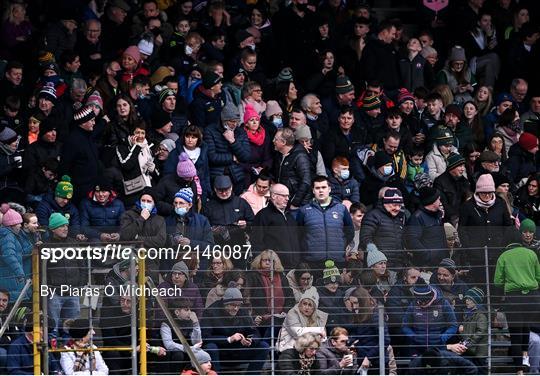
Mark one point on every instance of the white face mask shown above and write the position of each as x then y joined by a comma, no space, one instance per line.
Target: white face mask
188,50
387,170
147,206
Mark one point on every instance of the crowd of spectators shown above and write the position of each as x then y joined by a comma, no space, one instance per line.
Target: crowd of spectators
313,164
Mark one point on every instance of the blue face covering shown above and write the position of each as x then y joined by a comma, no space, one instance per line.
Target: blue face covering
387,170
345,174
278,122
180,211
147,206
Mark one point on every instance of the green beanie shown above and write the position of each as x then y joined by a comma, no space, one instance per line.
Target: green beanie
64,188
527,226
56,220
330,272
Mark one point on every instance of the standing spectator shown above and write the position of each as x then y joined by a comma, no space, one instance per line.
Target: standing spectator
424,232
528,198
521,161
11,163
453,187
45,147
424,329
228,147
206,107
178,277
442,148
80,157
142,223
116,27
89,46
291,167
60,36
63,272
502,103
518,272
11,260
328,225
258,193
260,146
229,333
343,187
275,228
384,226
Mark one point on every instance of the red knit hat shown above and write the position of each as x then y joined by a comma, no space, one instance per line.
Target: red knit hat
10,217
528,141
404,95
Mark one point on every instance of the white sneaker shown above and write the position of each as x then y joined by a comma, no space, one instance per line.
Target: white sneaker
526,361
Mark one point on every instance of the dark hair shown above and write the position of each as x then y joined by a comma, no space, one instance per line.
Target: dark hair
391,133
420,92
13,103
14,64
300,269
5,292
432,97
357,206
193,130
394,112
216,35
263,176
68,56
361,21
319,179
140,80
50,164
416,152
386,25
507,117
346,110
180,303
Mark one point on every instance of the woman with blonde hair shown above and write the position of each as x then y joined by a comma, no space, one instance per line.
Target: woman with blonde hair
445,92
483,98
268,291
15,32
301,359
304,317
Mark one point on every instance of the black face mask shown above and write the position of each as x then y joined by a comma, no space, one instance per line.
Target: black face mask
301,7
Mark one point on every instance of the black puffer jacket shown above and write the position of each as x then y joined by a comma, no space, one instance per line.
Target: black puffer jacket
38,152
293,170
479,227
453,193
425,233
386,232
520,163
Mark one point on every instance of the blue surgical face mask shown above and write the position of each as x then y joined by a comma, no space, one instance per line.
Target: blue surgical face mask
388,170
147,206
345,174
180,211
278,122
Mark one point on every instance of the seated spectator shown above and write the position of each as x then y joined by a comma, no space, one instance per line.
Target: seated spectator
300,280
268,292
204,361
330,295
527,199
100,213
187,228
188,322
10,334
118,276
343,187
442,148
434,360
82,362
229,334
447,280
376,261
521,161
301,359
258,193
142,223
422,328
61,202
304,317
179,277
41,182
212,277
335,357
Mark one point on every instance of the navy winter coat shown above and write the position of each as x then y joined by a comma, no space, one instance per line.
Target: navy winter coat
205,110
327,231
425,232
344,189
97,218
48,205
520,163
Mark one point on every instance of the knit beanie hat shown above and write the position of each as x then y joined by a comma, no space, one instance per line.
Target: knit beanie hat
454,160
475,294
160,119
164,93
181,267
146,47
169,144
185,167
222,182
64,188
103,184
79,329
285,75
57,220
380,159
527,225
272,108
422,180
241,35
8,136
83,115
371,102
230,112
453,109
95,99
343,85
448,264
50,66
428,195
457,54
330,272
250,113
528,141
201,356
185,194
231,295
159,75
449,231
404,95
444,136
48,92
374,255
134,52
46,126
392,196
302,132
312,295
210,79
10,217
422,289
500,179
485,183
